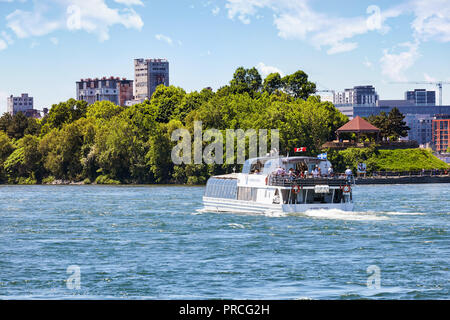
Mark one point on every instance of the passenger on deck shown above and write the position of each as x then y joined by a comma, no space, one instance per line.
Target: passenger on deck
348,172
256,171
291,174
315,172
330,171
280,171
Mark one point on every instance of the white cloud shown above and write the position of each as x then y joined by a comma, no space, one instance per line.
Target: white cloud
367,63
295,19
3,45
215,11
54,40
130,2
26,23
265,70
245,8
429,78
7,37
394,65
94,16
164,38
207,53
432,19
34,44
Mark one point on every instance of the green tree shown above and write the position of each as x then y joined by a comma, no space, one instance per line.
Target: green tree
6,148
191,101
64,113
62,150
397,126
391,125
120,152
381,122
142,117
272,83
159,157
25,162
19,125
166,100
246,80
103,110
5,122
298,86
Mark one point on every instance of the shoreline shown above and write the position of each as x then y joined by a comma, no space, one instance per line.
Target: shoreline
403,180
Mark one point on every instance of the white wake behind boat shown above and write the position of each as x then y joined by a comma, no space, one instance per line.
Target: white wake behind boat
265,186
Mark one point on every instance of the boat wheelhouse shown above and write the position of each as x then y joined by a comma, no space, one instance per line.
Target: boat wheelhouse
276,184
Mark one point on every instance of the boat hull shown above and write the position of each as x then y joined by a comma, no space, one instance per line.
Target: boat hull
240,206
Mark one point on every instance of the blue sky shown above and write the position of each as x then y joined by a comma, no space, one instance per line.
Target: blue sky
47,45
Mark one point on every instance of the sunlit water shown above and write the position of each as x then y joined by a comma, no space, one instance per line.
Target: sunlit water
156,243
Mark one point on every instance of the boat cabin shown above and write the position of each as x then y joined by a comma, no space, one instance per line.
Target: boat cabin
268,165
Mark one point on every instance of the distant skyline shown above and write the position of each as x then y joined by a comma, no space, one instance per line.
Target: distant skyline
48,45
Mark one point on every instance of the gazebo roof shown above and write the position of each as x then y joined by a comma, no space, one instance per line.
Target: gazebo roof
358,124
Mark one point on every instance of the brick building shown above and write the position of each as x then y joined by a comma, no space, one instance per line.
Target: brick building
114,89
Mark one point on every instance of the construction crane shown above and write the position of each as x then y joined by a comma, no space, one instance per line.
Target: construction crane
436,83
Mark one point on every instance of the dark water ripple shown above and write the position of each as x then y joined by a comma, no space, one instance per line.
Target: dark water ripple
146,242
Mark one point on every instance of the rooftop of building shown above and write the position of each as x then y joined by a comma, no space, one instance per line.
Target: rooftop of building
104,78
358,124
151,60
23,95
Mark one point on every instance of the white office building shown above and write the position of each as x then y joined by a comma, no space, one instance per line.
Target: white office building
23,104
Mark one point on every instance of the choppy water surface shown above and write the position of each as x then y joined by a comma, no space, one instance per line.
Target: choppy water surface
154,243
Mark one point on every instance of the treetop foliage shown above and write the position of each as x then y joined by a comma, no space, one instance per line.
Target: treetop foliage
106,143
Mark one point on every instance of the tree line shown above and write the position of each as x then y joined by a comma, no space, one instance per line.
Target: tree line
107,143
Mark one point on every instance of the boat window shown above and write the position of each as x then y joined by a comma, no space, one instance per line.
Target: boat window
257,165
246,166
221,188
247,194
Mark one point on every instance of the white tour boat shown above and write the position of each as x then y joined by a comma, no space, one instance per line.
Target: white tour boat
271,185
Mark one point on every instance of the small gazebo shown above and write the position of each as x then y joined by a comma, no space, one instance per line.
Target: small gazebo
359,126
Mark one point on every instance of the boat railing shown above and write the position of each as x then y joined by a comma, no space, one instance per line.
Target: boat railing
290,181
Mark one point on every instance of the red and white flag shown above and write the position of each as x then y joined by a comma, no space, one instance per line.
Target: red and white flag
301,149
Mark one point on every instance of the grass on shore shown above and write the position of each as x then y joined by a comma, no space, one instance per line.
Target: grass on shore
393,160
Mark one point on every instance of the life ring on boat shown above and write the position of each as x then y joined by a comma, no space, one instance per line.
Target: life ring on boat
296,189
346,188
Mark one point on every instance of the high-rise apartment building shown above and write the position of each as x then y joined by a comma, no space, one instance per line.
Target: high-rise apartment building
112,89
148,74
359,95
421,97
23,104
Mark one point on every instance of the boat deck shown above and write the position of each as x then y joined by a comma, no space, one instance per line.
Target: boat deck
286,181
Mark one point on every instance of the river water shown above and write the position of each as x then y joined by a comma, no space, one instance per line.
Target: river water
154,242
